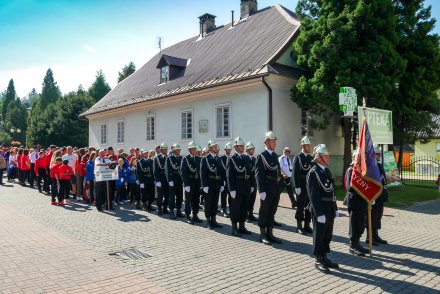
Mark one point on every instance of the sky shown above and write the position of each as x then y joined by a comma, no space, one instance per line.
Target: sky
76,38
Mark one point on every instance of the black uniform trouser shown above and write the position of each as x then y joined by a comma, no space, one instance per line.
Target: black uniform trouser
192,199
47,181
211,199
41,177
101,194
268,206
252,201
302,213
92,191
289,190
225,198
54,188
356,225
64,190
240,203
176,195
162,195
322,235
147,193
376,215
134,192
121,193
32,175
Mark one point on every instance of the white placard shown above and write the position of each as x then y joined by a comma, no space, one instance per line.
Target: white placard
103,173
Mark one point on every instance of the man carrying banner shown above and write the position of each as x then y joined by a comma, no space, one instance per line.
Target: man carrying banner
321,191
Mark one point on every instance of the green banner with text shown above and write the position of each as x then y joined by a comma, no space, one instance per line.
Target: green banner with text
380,123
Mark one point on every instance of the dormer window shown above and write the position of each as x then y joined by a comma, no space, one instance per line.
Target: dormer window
171,68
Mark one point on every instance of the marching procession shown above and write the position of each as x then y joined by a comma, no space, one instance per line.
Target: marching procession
182,186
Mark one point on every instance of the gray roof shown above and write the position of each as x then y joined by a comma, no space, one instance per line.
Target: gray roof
224,55
436,133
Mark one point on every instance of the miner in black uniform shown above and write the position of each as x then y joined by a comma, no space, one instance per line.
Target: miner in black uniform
225,197
144,171
161,180
212,183
250,151
357,209
301,166
268,177
377,208
238,175
175,188
189,170
322,195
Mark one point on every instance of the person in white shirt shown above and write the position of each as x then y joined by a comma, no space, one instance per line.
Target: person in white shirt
71,157
101,187
286,172
33,157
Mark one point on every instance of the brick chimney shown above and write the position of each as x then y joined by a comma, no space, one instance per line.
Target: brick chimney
207,23
247,8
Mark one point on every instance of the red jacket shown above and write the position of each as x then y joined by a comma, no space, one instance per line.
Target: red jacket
80,167
19,161
48,159
64,172
54,170
25,163
39,163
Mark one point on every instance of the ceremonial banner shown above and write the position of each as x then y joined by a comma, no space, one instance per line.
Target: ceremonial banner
365,178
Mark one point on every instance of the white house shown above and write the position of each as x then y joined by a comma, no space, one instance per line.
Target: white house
228,81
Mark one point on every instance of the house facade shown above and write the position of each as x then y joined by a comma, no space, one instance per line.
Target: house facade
229,81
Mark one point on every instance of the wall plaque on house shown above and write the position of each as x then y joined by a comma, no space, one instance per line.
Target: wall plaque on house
203,126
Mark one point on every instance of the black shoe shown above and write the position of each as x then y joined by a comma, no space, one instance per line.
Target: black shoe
251,217
307,228
374,242
299,228
355,251
242,229
172,215
196,219
150,208
271,237
277,224
189,220
215,223
378,239
362,249
210,224
159,211
330,264
165,211
179,214
235,231
320,266
144,207
138,206
263,237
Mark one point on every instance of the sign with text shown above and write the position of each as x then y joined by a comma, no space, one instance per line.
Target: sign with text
104,173
391,170
347,100
380,123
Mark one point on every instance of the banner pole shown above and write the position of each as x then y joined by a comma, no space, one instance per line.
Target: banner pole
370,230
108,196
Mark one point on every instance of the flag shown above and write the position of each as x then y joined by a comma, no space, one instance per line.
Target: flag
365,179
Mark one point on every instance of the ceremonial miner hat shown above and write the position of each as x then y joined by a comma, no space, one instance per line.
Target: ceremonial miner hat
376,149
163,146
199,148
249,145
321,150
192,145
305,140
205,149
212,143
270,136
228,146
238,142
286,149
176,146
144,151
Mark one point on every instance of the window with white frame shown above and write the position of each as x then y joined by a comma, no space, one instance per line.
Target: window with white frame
150,127
223,121
121,132
164,74
186,126
103,134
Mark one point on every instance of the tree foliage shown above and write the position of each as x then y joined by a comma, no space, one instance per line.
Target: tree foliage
126,71
100,87
9,97
50,91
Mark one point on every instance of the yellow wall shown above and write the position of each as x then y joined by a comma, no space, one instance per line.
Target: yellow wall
428,149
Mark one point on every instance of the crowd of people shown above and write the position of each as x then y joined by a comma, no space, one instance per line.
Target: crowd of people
199,181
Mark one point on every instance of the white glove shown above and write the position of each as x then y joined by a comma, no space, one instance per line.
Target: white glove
171,184
321,219
337,213
188,189
252,189
158,184
297,191
137,182
263,195
222,188
205,189
373,202
233,193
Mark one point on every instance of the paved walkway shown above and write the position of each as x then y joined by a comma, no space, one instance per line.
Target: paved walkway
45,249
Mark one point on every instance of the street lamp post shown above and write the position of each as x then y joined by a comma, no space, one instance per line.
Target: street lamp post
14,131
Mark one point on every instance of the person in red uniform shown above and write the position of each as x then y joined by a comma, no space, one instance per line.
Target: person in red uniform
49,155
40,170
54,179
19,163
65,172
26,166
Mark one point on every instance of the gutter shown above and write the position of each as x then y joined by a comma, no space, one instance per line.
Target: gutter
269,89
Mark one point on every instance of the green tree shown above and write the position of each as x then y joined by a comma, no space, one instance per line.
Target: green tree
9,97
126,71
345,43
100,87
16,117
50,91
415,98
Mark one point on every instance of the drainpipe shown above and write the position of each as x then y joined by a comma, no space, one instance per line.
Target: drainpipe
269,89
